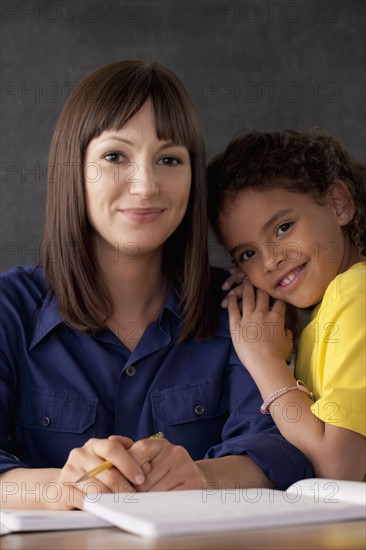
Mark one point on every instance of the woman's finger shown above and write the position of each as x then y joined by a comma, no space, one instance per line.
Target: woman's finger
121,459
126,442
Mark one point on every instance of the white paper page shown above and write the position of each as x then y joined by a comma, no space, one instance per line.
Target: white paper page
164,513
330,490
49,520
4,530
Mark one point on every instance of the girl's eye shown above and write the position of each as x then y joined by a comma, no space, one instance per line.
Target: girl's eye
114,157
169,161
246,256
283,228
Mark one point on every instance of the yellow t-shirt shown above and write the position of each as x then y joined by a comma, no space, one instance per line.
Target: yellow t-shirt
331,359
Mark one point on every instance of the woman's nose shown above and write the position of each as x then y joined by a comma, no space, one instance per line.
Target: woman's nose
143,182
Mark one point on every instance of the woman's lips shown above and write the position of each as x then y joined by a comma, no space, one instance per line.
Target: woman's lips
142,215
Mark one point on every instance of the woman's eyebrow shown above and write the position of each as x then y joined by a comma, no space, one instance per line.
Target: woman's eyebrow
164,145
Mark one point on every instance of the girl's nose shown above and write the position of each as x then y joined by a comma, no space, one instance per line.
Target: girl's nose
272,256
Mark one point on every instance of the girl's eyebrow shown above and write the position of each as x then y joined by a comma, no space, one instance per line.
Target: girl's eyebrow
273,219
237,247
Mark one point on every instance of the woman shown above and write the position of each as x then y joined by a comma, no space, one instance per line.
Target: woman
113,334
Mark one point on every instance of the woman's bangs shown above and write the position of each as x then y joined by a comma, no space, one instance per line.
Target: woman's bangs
113,104
116,111
170,115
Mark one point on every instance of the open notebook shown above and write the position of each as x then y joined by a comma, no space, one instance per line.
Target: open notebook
169,513
47,520
179,512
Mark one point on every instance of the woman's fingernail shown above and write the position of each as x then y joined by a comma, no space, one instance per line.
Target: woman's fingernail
225,286
139,479
224,303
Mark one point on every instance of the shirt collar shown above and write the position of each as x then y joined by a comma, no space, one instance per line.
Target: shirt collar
49,316
172,304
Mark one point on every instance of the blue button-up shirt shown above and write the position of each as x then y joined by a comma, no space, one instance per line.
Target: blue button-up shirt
59,387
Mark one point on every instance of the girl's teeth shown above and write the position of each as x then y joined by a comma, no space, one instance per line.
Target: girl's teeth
288,279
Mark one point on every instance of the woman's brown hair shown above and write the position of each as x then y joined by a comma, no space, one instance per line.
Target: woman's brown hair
104,100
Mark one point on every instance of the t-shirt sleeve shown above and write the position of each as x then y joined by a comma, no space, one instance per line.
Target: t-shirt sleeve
342,354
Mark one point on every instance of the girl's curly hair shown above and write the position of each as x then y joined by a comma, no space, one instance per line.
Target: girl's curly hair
300,162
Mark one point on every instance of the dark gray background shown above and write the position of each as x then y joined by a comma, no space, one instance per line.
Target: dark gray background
248,64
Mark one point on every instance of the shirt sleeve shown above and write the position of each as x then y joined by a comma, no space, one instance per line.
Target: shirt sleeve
9,449
249,432
10,337
340,354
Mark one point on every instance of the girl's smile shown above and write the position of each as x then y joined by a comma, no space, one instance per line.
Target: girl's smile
287,243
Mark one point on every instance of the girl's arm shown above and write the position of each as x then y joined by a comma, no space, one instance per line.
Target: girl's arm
262,344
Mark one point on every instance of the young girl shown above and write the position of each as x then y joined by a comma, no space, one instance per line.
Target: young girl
291,209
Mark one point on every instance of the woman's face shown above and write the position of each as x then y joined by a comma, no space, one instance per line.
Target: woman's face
136,186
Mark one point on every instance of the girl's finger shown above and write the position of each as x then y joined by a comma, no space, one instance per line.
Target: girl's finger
233,310
238,291
279,307
262,300
248,297
236,277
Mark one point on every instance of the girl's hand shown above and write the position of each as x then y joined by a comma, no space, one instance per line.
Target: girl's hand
125,474
258,333
236,278
172,468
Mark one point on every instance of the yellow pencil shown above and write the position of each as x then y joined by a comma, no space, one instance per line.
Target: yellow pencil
106,465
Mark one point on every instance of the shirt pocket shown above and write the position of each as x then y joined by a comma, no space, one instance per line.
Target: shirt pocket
56,412
192,415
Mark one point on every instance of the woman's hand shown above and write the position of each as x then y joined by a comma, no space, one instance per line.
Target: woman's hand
172,468
125,475
258,332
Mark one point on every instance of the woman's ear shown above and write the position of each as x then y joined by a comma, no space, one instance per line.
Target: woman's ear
340,198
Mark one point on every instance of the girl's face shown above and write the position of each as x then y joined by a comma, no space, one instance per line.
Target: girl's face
136,186
286,243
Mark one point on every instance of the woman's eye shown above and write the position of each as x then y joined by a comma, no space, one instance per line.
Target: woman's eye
283,228
246,256
114,157
169,161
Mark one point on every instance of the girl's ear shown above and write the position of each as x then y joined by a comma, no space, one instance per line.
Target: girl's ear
339,196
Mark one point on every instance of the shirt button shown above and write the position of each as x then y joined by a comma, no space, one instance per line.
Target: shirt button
131,370
199,409
46,421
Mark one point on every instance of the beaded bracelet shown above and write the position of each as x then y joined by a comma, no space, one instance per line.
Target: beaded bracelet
299,386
